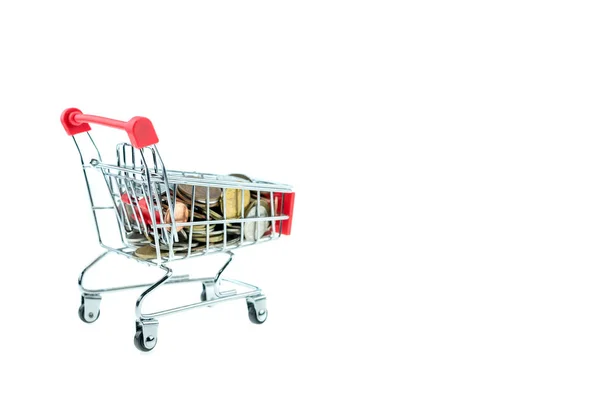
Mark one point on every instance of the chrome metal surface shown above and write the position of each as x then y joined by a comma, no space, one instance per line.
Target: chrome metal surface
149,329
91,307
199,304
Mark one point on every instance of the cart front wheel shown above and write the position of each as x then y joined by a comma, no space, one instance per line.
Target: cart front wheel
140,344
257,316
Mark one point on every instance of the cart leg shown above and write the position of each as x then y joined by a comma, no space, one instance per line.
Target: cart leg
146,328
89,310
211,288
83,290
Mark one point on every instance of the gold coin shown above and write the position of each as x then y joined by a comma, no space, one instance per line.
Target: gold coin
230,243
147,252
200,229
211,238
233,201
203,233
202,216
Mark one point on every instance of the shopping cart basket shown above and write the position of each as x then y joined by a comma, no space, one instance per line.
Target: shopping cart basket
166,215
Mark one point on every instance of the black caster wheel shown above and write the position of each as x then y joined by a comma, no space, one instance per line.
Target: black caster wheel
88,317
141,345
138,341
255,316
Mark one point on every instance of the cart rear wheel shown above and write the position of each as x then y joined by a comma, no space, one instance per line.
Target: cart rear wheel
257,317
88,317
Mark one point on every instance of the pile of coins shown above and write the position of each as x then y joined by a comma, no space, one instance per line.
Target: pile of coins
201,204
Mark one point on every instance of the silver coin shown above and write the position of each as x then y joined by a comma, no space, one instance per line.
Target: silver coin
135,237
230,242
211,238
236,230
251,229
177,246
241,177
201,229
202,192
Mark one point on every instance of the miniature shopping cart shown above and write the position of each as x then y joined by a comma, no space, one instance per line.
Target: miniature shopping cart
165,216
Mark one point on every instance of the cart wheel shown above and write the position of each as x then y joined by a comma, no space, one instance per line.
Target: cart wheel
138,341
257,317
88,317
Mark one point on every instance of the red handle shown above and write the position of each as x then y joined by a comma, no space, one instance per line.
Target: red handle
140,130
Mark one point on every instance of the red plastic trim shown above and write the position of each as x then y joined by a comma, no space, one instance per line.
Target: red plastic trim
288,209
70,127
146,218
140,130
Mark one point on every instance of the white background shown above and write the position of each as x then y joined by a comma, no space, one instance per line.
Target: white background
445,159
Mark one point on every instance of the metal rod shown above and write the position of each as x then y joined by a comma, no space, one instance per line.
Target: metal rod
231,221
191,220
256,215
242,218
218,276
173,279
207,217
272,214
224,201
204,303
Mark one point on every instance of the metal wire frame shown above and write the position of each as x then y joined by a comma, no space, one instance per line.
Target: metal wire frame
142,176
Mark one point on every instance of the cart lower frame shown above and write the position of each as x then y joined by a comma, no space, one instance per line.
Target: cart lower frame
146,335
